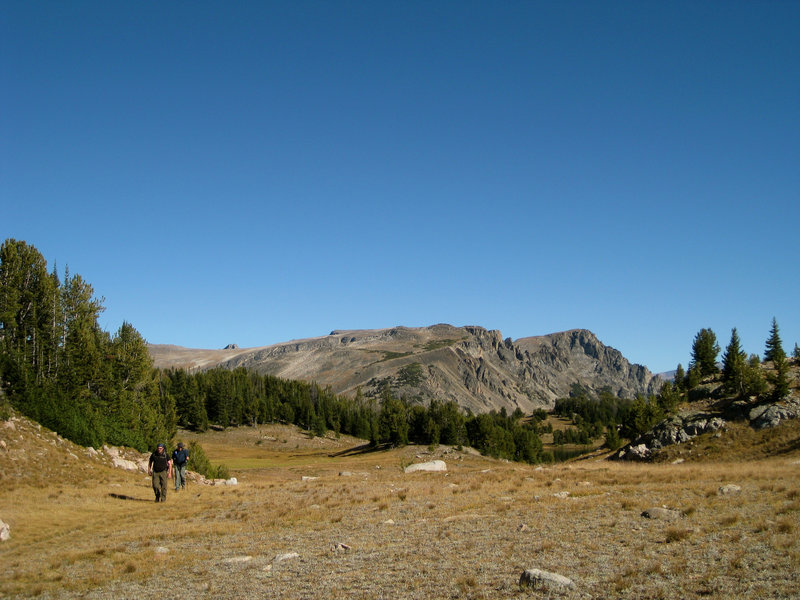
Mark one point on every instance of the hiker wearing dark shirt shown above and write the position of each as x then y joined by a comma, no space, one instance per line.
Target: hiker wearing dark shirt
180,456
160,467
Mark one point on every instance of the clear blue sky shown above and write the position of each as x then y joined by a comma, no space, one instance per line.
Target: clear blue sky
255,172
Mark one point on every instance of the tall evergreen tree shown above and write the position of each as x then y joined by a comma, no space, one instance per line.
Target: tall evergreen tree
26,305
733,365
704,353
774,347
680,378
780,377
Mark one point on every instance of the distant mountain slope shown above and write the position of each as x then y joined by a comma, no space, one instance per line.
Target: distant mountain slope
470,365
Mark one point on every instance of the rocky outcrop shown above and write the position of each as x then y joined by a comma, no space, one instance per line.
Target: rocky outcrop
684,426
676,429
770,415
472,366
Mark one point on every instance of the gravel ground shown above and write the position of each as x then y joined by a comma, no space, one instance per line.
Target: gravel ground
468,534
362,528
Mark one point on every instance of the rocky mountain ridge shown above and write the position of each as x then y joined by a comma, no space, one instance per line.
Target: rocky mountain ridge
471,365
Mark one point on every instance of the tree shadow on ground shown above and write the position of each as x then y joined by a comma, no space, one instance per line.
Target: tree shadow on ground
124,497
362,449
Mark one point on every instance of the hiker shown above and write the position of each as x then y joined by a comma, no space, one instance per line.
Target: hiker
160,467
180,456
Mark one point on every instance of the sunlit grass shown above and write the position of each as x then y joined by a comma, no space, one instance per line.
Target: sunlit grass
477,523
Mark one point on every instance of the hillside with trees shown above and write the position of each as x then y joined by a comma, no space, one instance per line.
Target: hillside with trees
58,367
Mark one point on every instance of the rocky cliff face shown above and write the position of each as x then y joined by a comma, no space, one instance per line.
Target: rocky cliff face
473,366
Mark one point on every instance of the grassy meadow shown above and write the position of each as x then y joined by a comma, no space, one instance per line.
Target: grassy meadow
309,518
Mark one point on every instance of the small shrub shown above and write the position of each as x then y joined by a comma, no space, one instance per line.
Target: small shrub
785,526
676,534
200,463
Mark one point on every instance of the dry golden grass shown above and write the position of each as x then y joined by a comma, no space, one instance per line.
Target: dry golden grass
364,529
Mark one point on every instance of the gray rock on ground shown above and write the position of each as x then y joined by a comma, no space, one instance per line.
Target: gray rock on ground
537,578
770,415
431,466
664,514
729,490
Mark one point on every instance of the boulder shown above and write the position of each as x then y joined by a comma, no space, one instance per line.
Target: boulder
637,452
538,577
433,466
664,514
122,463
770,415
729,490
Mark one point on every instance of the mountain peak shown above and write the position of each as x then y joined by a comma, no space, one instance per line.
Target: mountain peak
471,365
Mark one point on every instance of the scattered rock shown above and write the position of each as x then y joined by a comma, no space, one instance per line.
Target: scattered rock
431,466
162,550
286,556
238,559
122,463
729,490
664,514
538,577
637,452
341,548
232,481
5,531
308,478
563,494
345,474
522,527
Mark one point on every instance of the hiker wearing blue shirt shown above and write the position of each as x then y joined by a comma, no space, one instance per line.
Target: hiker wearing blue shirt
180,457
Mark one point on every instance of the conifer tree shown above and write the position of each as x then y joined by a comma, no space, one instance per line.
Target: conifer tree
680,378
774,347
733,364
780,377
704,353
